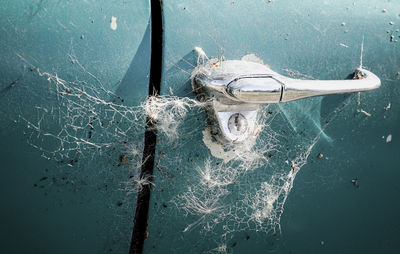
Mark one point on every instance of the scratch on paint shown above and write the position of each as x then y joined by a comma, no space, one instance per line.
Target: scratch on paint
34,9
113,24
362,52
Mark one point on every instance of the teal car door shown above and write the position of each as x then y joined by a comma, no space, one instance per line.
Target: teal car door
320,176
73,77
93,164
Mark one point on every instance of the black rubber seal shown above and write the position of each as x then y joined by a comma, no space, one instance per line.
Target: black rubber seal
140,223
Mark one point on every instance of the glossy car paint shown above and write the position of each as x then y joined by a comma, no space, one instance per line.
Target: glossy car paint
69,203
49,206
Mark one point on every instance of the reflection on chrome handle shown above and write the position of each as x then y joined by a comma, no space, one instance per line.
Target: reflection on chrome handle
277,88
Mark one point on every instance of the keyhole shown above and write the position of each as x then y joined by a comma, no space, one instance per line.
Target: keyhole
237,124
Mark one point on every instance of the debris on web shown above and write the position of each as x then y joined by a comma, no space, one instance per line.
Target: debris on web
241,187
225,189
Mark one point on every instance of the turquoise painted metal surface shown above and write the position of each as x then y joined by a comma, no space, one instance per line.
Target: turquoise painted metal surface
342,148
320,178
72,77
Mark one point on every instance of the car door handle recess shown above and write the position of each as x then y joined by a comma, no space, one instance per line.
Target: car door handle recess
239,87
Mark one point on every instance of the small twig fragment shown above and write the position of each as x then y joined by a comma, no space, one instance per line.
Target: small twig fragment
158,165
364,112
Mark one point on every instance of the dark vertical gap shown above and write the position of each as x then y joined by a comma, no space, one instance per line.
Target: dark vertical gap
139,234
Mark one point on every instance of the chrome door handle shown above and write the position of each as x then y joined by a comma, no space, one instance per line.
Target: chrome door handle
277,88
238,88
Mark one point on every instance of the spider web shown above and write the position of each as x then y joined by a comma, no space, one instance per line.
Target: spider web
77,121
